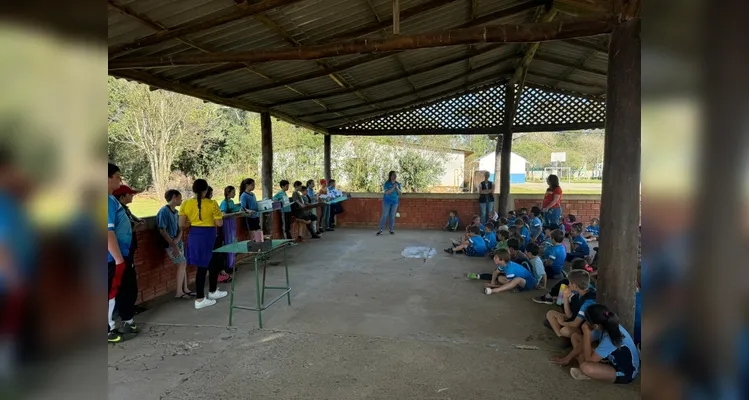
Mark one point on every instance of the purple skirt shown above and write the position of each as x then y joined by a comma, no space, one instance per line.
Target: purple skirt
200,241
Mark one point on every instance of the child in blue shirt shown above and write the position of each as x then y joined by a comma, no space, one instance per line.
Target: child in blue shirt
557,254
577,297
614,344
490,237
537,266
592,231
537,227
452,221
474,246
511,217
516,276
227,205
578,245
524,232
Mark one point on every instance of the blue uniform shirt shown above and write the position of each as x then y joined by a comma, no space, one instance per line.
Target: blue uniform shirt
452,222
479,245
248,201
279,197
515,270
491,239
595,230
168,220
526,234
581,244
626,354
558,255
391,198
228,206
119,223
17,237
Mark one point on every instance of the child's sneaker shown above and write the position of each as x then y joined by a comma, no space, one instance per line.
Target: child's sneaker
488,290
217,294
545,299
129,327
455,243
578,375
472,276
205,303
449,250
114,336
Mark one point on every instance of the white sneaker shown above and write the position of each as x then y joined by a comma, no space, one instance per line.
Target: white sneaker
217,295
488,290
578,375
205,303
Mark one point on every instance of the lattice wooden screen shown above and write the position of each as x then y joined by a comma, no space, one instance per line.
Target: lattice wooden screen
483,111
544,110
480,109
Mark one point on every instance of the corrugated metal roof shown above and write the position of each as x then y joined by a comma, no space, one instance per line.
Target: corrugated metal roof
385,83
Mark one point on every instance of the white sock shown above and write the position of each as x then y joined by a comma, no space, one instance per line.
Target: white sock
111,311
130,321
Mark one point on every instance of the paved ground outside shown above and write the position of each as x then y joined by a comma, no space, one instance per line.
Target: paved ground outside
364,323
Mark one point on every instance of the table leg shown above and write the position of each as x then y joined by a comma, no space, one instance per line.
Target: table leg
265,267
257,291
286,268
231,295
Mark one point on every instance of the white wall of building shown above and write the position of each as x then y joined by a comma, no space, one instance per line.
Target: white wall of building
517,163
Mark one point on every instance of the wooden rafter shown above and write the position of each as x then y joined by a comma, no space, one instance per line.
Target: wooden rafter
240,11
386,80
531,49
431,86
507,33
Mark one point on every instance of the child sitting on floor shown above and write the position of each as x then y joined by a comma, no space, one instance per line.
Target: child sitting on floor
557,254
493,217
577,296
614,344
592,231
511,217
537,266
475,221
490,236
550,298
452,222
503,225
517,255
568,222
537,227
578,245
475,246
502,239
516,276
523,231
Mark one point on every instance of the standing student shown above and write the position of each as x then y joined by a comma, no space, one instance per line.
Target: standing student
167,221
335,208
119,235
284,199
486,197
615,345
552,205
227,204
202,216
127,294
392,189
322,194
248,201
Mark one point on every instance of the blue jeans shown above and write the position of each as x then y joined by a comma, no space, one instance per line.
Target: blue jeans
552,215
486,210
388,210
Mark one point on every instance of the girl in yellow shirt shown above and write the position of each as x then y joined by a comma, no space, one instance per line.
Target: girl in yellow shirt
202,216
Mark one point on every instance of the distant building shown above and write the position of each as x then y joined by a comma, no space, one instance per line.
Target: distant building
517,167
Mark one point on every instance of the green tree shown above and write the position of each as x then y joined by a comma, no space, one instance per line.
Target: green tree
419,170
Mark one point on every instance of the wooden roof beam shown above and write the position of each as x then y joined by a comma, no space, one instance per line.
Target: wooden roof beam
241,10
530,51
221,69
507,33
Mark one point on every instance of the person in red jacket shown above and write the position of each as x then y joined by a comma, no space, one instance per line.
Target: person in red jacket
552,206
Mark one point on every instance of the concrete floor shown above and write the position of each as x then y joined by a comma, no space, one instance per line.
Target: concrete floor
364,323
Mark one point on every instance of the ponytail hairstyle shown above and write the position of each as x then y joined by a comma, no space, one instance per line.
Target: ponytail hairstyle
244,184
227,192
198,187
598,314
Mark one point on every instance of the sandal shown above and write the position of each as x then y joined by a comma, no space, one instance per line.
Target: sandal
187,295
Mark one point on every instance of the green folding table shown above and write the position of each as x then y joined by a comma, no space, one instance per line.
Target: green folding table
260,252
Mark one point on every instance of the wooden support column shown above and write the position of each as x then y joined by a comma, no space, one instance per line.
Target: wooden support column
503,153
396,17
620,200
266,141
326,156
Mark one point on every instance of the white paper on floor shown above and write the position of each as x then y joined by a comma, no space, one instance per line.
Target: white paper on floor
419,252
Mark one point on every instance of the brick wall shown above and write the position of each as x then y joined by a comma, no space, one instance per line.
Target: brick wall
157,274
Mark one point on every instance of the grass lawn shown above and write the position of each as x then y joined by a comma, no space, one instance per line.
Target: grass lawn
144,206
